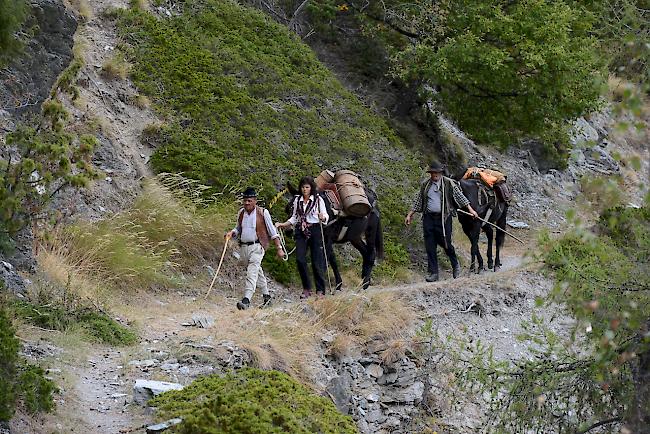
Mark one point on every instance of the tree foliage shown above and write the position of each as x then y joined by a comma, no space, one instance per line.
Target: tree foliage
37,163
503,70
623,33
19,382
508,70
12,15
601,376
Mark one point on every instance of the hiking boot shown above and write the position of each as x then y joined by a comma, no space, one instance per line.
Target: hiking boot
456,271
243,304
305,294
267,300
433,277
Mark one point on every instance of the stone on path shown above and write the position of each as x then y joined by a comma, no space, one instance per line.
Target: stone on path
152,429
144,390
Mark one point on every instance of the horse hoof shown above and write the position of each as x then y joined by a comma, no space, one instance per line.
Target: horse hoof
497,268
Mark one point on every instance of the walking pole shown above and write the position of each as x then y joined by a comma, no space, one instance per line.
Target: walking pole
327,267
492,224
225,246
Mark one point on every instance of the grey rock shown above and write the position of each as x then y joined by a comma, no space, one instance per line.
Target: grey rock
387,378
203,321
372,397
392,422
28,78
583,132
152,429
11,279
144,390
144,363
374,370
339,390
412,393
375,416
517,224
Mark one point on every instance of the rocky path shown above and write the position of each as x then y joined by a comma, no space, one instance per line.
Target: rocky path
97,391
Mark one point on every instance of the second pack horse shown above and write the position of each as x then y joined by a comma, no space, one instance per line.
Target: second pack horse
491,208
364,233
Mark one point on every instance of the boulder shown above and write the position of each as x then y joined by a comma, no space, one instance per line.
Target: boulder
144,390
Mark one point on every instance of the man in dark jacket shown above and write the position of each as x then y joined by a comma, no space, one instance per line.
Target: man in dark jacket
437,200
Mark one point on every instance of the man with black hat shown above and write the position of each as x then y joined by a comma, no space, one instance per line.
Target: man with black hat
437,200
255,229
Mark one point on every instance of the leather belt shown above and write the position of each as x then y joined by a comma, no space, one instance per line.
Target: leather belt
249,243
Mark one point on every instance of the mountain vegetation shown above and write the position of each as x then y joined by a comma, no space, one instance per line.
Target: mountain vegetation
599,375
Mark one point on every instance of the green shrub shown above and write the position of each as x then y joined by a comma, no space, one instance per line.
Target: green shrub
251,401
97,325
20,382
599,375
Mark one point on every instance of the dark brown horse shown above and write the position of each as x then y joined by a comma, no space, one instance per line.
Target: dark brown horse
489,208
364,233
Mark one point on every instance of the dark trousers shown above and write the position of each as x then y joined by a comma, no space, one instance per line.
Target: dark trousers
315,244
432,227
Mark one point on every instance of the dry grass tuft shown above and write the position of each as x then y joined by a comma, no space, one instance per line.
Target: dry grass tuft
116,67
162,233
289,338
83,9
141,101
141,5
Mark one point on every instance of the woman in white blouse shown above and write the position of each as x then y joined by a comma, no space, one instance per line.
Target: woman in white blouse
308,213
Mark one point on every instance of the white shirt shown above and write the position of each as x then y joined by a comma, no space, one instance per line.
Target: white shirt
249,226
312,216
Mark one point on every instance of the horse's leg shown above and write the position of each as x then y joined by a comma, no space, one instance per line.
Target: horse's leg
500,238
490,234
331,258
366,267
468,231
476,233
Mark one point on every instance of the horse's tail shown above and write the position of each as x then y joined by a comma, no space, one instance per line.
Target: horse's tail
379,240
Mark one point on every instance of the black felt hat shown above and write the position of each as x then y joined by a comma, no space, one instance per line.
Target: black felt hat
435,166
249,192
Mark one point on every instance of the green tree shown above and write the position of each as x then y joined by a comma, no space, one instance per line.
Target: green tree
12,15
507,70
36,164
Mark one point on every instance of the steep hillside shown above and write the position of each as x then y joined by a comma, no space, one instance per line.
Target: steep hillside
247,102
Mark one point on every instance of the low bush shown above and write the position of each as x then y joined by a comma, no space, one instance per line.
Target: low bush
98,326
251,401
20,383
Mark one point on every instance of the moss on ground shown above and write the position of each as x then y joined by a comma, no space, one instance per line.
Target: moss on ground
251,401
249,102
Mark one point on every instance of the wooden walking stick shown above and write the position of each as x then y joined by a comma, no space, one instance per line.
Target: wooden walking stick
492,224
225,246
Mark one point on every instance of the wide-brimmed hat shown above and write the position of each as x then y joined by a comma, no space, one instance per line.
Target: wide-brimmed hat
249,192
435,166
